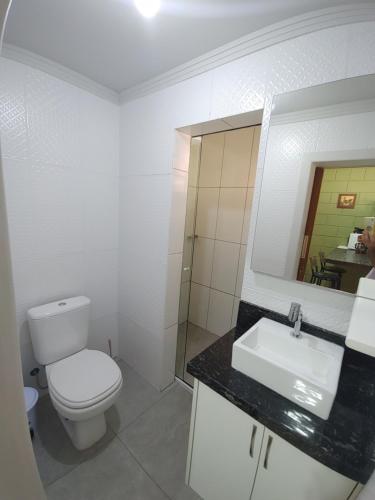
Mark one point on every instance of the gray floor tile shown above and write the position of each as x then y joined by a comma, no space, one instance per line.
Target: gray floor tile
112,475
54,451
159,439
136,396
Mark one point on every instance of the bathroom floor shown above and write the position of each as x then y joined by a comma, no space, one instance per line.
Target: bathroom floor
142,456
192,339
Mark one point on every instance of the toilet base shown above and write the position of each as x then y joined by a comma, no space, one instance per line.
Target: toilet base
85,433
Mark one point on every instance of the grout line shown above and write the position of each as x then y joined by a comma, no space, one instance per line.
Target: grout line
141,466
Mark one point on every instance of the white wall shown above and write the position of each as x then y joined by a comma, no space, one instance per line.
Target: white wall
146,164
60,160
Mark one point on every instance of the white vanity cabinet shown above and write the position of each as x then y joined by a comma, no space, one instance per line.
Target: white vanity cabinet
233,457
225,449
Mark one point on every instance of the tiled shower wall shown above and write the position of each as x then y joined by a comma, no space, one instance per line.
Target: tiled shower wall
60,160
240,86
225,192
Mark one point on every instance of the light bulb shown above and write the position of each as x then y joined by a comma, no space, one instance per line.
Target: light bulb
148,8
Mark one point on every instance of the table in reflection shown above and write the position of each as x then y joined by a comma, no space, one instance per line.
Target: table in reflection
356,265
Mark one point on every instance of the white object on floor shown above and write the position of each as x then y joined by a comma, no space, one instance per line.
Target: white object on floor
361,332
82,383
305,370
343,247
31,398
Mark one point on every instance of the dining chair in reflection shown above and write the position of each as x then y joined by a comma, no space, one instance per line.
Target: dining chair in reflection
318,276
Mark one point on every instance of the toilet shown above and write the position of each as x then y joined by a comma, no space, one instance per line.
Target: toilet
82,383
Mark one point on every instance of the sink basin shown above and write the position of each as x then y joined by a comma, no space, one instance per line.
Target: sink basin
305,370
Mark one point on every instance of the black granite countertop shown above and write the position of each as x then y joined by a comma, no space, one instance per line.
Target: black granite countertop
345,442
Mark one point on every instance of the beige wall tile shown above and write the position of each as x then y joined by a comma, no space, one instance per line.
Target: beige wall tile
198,307
237,157
220,311
241,268
208,200
225,266
247,215
231,214
254,156
202,261
211,160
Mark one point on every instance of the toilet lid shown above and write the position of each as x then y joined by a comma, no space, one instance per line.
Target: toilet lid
83,379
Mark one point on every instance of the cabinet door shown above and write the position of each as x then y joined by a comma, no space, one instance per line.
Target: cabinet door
286,473
225,448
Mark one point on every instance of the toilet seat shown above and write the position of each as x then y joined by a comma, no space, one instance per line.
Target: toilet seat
83,380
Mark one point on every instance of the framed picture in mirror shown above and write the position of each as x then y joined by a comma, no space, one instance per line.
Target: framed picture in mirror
346,200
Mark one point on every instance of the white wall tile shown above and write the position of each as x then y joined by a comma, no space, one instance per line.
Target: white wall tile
181,154
231,214
239,86
13,118
202,261
142,349
144,216
194,160
54,120
236,306
247,215
169,356
173,286
220,311
178,211
101,282
254,156
198,308
225,266
101,330
61,146
241,270
100,211
207,207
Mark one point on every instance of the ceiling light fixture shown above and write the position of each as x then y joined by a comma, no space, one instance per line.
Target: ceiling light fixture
148,8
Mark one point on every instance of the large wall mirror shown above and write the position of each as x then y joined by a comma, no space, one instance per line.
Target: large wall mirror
318,186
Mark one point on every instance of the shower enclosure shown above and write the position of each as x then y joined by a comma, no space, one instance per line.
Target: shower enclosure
220,191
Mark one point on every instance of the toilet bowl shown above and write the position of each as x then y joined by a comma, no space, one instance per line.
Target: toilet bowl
82,387
82,383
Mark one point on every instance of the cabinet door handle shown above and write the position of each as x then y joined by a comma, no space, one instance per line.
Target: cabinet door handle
252,441
269,443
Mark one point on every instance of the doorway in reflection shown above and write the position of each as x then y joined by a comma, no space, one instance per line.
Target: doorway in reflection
342,205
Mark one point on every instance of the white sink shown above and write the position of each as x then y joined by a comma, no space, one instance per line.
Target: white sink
305,370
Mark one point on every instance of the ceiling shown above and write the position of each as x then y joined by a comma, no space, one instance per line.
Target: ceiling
111,43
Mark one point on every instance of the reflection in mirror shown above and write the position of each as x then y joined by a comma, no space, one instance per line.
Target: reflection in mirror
318,187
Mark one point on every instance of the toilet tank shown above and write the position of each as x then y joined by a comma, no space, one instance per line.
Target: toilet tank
59,329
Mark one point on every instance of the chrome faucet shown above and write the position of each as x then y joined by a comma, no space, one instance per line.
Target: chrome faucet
295,316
